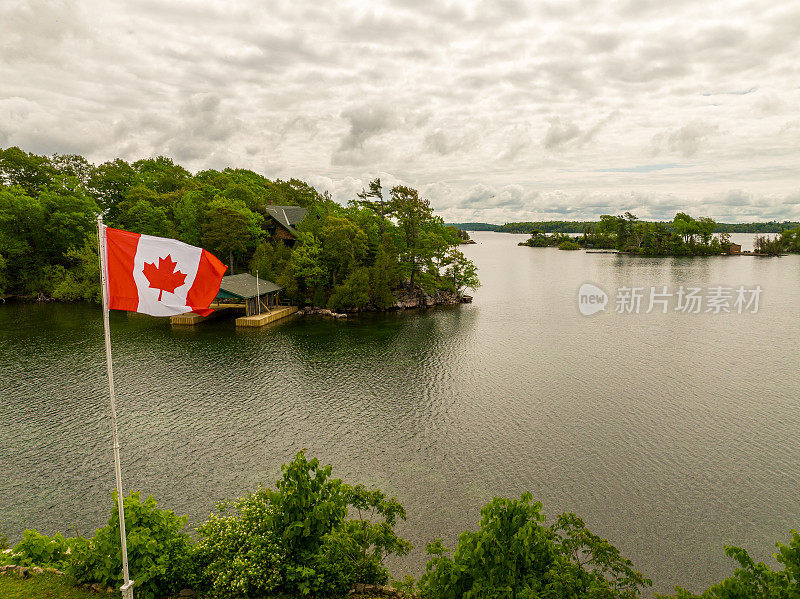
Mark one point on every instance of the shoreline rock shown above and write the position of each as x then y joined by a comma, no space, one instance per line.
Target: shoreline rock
404,300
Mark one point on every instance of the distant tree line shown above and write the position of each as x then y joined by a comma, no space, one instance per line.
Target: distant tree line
550,226
344,257
475,226
558,226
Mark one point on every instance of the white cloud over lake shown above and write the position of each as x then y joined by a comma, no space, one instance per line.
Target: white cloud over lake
496,110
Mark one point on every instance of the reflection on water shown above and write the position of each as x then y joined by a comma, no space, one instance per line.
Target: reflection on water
671,434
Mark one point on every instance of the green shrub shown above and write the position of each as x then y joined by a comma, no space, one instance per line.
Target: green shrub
514,555
238,554
568,244
309,506
297,539
371,527
159,550
757,580
40,550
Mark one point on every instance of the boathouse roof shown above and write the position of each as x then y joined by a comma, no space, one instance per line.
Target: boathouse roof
244,286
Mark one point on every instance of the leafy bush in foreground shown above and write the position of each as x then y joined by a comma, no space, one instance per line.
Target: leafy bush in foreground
297,539
159,551
40,550
514,555
756,580
238,554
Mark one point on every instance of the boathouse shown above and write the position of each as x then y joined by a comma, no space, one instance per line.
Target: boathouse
734,248
258,295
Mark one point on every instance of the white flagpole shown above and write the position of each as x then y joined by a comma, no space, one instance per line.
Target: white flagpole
127,587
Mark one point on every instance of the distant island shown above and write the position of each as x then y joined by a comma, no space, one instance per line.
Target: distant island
683,236
578,226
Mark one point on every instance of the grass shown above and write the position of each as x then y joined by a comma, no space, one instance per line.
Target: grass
43,586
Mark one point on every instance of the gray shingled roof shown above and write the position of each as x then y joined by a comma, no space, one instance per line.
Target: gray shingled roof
244,285
287,216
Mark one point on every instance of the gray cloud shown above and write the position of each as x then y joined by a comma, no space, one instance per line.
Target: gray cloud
564,133
560,133
686,140
365,122
497,110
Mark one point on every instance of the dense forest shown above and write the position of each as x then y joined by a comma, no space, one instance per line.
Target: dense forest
565,226
345,257
684,236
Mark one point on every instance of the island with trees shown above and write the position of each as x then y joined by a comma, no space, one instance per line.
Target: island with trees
575,226
385,249
684,236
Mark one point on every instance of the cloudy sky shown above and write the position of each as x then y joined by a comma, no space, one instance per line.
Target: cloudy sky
497,111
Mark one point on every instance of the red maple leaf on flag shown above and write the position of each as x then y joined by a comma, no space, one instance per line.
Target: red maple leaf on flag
164,277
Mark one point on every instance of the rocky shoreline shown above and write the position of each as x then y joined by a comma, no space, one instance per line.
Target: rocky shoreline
404,300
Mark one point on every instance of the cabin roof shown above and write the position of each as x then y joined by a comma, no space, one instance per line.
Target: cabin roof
243,285
287,216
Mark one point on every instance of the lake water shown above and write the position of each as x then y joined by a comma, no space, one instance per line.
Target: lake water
671,434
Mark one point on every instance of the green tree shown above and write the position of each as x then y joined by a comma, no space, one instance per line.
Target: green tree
790,240
108,183
685,226
461,271
32,173
306,266
344,246
188,212
705,228
412,212
270,260
70,219
514,555
377,204
383,275
162,175
81,281
142,210
72,167
753,580
230,227
354,292
3,284
22,240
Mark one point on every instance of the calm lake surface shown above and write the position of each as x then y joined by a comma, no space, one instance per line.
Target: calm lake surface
671,434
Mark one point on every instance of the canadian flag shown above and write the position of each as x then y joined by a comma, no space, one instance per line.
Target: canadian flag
158,276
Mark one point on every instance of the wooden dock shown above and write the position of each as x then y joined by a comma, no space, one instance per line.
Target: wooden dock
259,320
192,319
